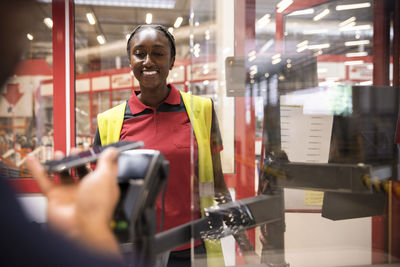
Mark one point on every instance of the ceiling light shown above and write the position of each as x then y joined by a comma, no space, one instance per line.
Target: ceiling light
29,36
318,46
282,5
307,11
253,70
263,21
304,43
207,34
48,22
178,22
347,21
357,54
353,43
302,46
301,49
276,56
321,15
149,18
90,18
252,55
276,61
125,3
100,39
352,6
354,62
267,45
348,27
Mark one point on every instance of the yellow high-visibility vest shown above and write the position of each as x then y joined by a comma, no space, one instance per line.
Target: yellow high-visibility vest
199,110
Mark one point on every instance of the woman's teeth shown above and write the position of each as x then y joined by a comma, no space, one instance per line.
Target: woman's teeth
146,72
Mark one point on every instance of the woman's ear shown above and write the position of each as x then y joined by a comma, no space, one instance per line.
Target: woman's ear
172,63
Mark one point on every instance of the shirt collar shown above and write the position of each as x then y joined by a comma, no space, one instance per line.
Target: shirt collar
136,106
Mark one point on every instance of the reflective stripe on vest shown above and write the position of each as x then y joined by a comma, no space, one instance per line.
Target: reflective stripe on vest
110,125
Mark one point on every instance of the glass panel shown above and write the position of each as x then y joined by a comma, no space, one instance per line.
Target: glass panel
306,133
100,103
26,113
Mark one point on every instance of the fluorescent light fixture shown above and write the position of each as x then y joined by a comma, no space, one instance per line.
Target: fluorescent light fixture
149,18
359,42
302,46
347,21
266,46
178,22
304,43
282,5
357,54
252,53
317,31
347,27
207,35
171,30
321,15
301,49
253,70
263,21
276,61
307,11
318,46
90,18
29,36
48,22
276,56
100,39
354,62
352,6
357,28
125,3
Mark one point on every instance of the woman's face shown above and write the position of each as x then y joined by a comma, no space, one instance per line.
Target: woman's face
150,58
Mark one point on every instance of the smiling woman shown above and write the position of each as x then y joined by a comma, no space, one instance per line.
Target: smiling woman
160,116
151,58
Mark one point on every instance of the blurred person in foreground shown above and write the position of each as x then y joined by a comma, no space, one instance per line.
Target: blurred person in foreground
78,213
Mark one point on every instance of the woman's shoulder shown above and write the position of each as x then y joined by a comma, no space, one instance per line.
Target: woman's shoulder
114,110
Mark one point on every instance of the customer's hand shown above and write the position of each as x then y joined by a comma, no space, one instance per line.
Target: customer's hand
82,210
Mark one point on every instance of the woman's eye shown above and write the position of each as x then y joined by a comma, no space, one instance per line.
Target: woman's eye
159,54
140,54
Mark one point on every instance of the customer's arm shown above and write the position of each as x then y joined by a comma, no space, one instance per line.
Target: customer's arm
83,211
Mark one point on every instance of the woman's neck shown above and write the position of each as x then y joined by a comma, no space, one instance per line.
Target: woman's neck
153,97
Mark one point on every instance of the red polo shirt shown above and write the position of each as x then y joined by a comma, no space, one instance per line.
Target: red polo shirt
167,128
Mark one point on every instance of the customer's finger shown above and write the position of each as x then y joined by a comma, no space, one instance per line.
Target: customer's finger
39,173
108,163
83,170
65,176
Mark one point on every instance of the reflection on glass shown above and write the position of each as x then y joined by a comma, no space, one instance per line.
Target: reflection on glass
26,114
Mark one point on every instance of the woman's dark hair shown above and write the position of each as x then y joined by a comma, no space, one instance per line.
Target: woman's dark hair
160,28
